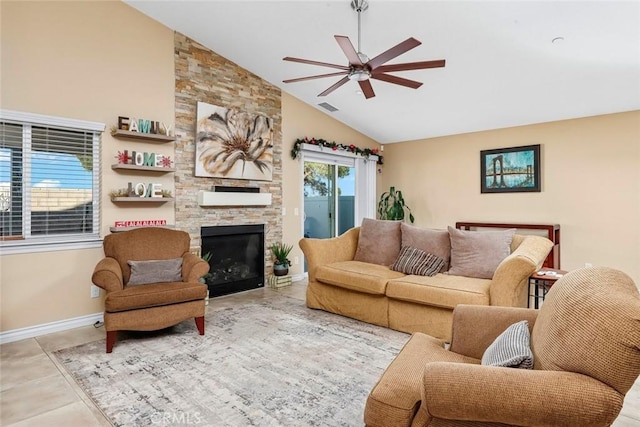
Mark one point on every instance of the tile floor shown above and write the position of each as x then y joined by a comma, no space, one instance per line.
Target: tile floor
36,391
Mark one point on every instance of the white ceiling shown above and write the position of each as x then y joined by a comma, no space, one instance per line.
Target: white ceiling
502,69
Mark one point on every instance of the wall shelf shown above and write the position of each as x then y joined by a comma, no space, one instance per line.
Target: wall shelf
123,167
147,137
142,199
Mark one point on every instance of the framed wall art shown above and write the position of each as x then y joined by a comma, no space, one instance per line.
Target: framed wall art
231,143
510,170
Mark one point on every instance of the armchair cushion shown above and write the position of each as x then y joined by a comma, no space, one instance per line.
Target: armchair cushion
154,295
511,349
155,271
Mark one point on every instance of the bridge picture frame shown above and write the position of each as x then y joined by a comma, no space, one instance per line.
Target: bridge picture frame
510,170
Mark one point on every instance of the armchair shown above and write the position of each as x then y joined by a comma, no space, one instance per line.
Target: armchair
586,345
149,306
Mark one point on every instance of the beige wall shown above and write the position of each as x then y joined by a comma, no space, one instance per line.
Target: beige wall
300,120
97,60
89,61
590,185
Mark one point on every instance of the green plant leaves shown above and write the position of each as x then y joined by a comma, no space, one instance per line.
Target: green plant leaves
391,206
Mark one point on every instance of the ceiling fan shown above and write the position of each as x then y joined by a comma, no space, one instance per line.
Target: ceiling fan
361,68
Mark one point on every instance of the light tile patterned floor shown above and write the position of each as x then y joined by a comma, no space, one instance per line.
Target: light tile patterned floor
36,391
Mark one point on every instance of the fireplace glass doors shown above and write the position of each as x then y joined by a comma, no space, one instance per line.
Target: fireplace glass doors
237,258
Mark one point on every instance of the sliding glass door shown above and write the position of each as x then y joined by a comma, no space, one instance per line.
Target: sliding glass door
329,198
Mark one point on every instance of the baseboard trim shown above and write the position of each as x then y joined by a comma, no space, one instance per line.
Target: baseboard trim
298,277
48,328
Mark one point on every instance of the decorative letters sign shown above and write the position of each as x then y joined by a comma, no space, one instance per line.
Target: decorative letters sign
143,126
139,158
141,223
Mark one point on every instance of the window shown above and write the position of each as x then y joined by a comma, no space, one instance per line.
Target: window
49,182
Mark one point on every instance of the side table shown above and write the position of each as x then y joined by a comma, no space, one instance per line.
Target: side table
540,282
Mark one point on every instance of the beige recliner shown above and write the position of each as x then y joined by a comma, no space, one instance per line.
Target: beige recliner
586,345
152,306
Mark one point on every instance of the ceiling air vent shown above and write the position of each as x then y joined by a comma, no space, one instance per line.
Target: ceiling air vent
328,107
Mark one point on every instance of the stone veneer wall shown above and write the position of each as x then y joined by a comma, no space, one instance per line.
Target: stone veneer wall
202,75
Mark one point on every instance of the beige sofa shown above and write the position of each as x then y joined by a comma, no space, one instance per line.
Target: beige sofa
339,282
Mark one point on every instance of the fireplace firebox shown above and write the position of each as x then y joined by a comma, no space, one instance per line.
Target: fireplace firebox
237,257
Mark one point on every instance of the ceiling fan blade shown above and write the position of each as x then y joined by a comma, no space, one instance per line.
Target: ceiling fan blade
410,66
319,76
322,64
396,80
349,50
367,89
335,86
395,51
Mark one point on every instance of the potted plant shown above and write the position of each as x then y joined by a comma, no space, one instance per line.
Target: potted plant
391,206
280,253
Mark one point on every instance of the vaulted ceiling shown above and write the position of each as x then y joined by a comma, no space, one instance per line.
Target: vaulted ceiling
503,67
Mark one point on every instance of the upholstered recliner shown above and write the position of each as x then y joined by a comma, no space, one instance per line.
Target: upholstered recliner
586,345
149,306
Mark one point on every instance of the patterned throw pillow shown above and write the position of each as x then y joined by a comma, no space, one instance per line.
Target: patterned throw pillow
155,271
511,349
414,261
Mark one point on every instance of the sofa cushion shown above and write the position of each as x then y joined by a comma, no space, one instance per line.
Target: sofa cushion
379,242
511,349
414,261
478,253
357,276
441,290
397,395
135,297
435,242
155,271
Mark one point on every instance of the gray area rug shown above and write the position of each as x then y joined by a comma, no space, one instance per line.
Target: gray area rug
272,363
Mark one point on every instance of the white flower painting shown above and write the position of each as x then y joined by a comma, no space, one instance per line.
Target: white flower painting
233,144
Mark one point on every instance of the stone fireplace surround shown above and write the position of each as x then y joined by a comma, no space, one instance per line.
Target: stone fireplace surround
202,75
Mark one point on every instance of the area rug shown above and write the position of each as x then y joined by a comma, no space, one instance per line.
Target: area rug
270,363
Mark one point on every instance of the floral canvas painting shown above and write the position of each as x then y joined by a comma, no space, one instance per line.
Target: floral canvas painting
231,143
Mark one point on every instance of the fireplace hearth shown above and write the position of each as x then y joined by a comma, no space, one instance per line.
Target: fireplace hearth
237,257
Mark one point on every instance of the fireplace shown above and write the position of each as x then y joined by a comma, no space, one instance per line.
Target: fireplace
237,257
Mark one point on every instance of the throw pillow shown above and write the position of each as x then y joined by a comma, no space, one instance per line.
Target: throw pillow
414,261
478,253
155,271
512,348
435,242
379,242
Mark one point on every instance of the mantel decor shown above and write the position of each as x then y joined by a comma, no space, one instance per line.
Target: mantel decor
322,143
510,170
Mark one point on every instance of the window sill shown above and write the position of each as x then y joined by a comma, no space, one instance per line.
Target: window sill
24,247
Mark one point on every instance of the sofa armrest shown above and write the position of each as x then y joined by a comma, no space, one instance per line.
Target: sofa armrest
457,391
510,283
108,275
193,267
319,252
475,327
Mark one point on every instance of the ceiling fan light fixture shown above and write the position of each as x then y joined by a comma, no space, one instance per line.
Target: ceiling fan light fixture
359,75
